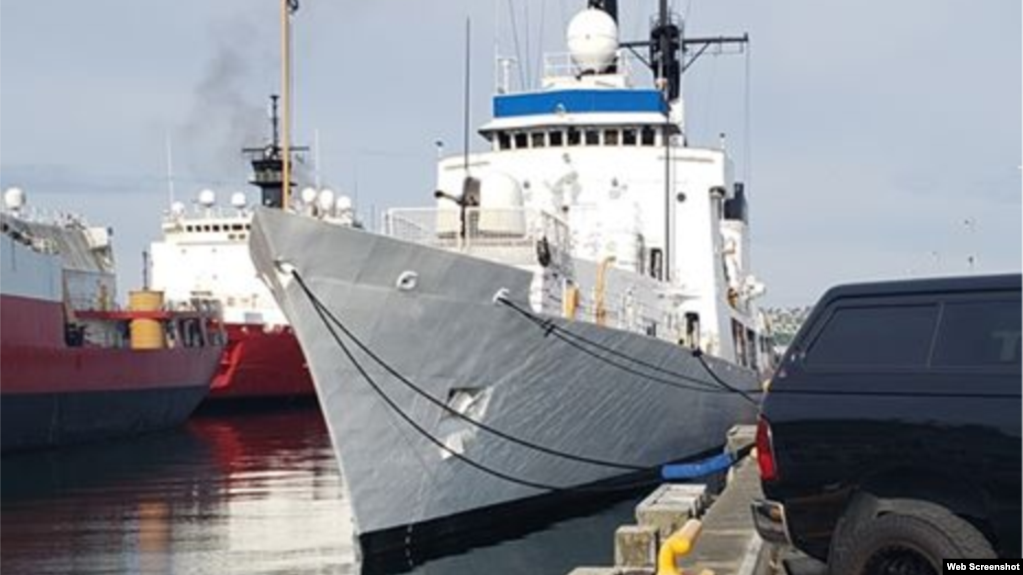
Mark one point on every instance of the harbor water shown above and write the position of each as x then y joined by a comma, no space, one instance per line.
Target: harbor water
253,492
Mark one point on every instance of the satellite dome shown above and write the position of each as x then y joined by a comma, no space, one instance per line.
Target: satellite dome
326,199
177,208
207,198
308,195
501,202
14,199
343,204
238,200
593,40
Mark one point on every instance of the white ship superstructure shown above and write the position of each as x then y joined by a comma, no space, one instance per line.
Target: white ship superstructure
577,306
204,253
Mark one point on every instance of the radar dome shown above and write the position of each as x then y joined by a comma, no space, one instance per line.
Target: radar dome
501,205
308,195
14,199
343,204
238,200
593,40
207,198
326,199
177,208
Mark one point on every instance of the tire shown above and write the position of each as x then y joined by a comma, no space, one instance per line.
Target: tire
912,540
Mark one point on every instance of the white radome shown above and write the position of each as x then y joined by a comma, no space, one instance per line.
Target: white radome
343,204
178,208
308,195
501,205
238,200
207,198
593,40
14,199
326,199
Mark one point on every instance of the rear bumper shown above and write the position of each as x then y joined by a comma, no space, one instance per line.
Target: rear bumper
769,519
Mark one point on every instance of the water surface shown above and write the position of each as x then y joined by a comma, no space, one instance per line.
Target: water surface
253,492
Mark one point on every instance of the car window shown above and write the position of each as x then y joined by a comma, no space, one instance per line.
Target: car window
979,334
875,336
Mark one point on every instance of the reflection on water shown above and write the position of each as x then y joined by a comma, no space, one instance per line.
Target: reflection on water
228,493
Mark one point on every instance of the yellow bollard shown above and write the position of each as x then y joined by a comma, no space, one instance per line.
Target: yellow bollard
678,545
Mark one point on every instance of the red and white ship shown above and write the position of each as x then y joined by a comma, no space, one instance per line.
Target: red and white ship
73,368
204,253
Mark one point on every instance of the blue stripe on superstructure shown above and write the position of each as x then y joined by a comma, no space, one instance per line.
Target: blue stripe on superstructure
578,101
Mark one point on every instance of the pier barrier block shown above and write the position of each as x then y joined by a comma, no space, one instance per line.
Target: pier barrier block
740,436
635,546
669,507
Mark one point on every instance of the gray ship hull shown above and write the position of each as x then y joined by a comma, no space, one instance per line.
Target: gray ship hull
444,332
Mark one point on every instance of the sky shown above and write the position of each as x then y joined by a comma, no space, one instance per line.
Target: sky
878,139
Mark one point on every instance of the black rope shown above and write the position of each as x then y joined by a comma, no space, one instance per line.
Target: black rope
320,309
550,328
326,314
564,335
698,354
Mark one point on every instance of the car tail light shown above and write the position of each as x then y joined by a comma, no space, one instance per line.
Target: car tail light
765,451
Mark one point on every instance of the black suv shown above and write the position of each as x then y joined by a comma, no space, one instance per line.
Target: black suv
889,436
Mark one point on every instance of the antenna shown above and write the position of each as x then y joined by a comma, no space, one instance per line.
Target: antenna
170,169
316,157
466,119
274,121
609,6
268,164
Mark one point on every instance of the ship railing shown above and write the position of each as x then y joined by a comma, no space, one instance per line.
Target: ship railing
620,311
510,235
559,65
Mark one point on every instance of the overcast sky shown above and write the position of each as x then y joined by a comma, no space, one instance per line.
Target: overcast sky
885,136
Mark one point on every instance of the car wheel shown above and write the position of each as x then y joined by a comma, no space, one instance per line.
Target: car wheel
910,541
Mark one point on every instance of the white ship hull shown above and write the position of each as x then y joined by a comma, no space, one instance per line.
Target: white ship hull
448,335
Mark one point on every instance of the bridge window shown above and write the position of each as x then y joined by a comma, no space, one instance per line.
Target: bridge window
521,141
539,139
592,138
629,137
610,137
503,141
574,137
556,138
648,136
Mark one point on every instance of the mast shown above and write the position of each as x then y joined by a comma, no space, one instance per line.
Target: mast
668,62
268,163
287,7
609,6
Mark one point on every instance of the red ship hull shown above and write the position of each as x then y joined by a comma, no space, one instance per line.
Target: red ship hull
54,395
260,364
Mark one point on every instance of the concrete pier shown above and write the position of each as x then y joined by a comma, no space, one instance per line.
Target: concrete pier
728,545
